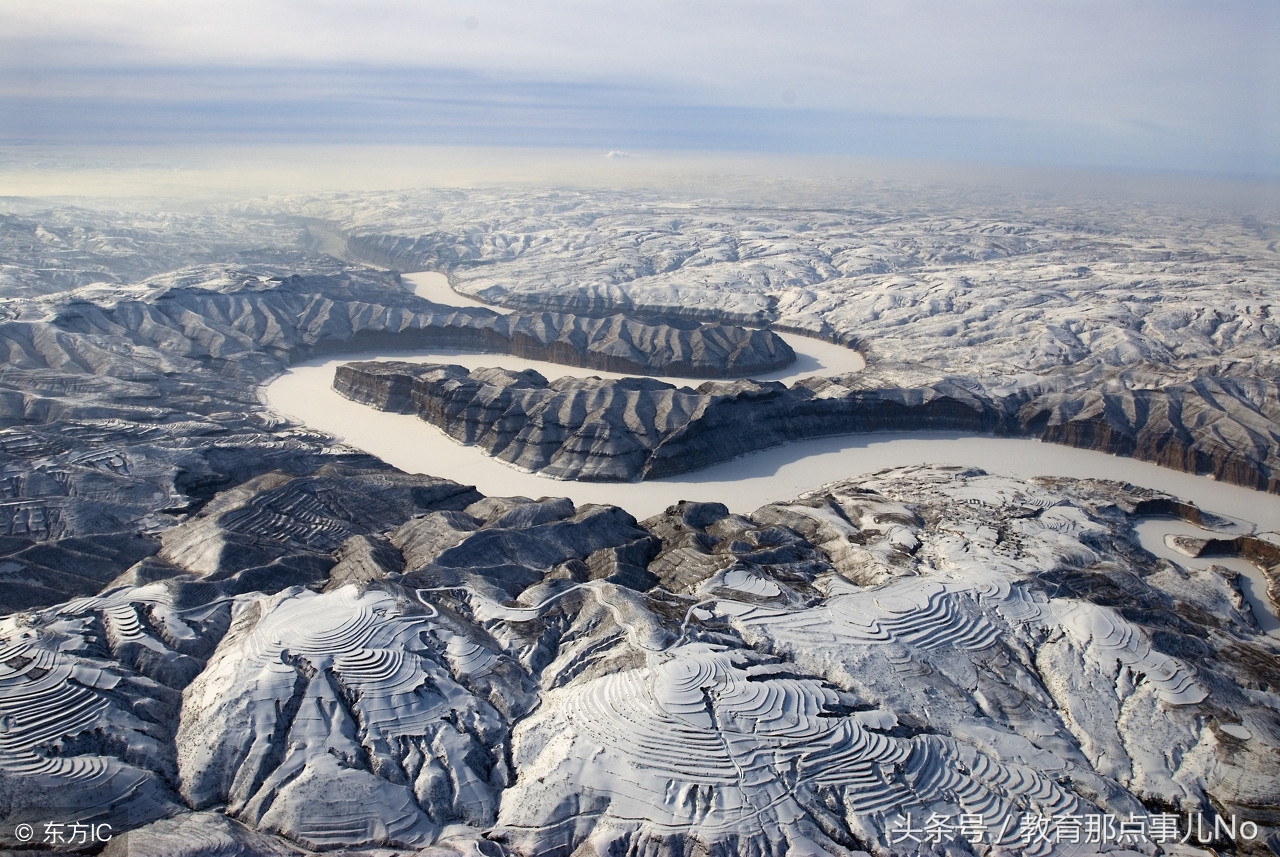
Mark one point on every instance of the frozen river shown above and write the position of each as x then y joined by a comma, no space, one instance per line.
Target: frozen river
1155,533
813,356
306,394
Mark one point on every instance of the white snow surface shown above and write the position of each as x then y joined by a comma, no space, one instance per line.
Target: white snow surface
956,650
1035,703
365,684
994,285
937,665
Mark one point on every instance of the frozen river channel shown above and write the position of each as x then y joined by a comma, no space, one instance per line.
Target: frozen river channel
305,393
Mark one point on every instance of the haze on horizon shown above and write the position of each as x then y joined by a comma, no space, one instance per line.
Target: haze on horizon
1179,86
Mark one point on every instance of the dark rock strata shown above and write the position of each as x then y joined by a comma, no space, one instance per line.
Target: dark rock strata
124,410
590,429
1222,427
295,317
595,430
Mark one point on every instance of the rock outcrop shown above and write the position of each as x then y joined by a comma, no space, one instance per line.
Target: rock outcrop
596,430
123,408
1228,428
592,429
294,317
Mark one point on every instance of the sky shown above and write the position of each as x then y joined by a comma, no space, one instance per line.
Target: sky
1124,84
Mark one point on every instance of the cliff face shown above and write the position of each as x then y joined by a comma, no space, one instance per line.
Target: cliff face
641,428
1223,427
596,430
123,407
300,316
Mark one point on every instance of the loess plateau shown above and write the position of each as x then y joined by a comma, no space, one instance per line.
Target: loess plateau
229,633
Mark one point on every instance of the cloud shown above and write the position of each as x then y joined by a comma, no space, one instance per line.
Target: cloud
1129,74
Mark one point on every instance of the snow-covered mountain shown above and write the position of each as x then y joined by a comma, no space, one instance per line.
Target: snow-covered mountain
228,633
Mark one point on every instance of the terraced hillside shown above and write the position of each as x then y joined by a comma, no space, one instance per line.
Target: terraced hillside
232,634
528,677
